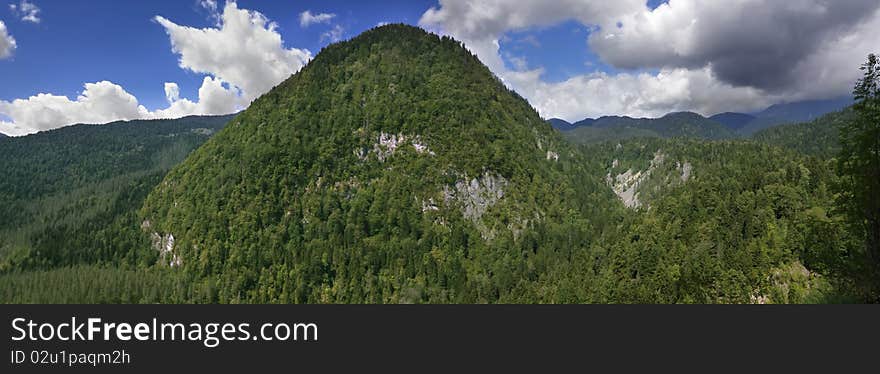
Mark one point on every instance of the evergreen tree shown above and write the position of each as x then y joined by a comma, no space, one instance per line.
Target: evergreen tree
859,168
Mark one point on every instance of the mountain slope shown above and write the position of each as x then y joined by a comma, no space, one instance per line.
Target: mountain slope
62,190
733,121
716,222
684,124
394,167
560,124
803,111
818,138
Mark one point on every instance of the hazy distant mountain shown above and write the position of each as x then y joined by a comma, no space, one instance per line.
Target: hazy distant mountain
673,125
741,123
733,121
563,125
584,122
804,111
560,124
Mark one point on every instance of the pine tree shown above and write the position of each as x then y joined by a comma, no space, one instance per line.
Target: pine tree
859,167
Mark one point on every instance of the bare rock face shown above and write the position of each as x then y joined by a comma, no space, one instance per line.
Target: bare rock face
629,185
686,169
388,144
626,185
475,196
164,244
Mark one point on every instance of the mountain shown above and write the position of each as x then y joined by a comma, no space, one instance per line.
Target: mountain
584,122
560,124
717,222
819,137
733,121
394,167
63,191
803,111
563,125
739,123
684,124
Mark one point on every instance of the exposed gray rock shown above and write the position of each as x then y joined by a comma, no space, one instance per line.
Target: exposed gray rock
475,196
388,144
686,169
626,185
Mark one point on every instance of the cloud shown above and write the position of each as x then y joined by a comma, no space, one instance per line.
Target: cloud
99,102
215,97
752,43
7,42
639,94
211,7
703,55
172,92
242,58
307,18
105,101
333,35
26,10
245,51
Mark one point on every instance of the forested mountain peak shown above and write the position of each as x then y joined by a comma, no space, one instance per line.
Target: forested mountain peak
394,167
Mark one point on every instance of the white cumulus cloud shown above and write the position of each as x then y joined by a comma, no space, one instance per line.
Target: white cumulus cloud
245,51
307,18
99,102
26,10
242,58
333,35
7,42
706,56
105,101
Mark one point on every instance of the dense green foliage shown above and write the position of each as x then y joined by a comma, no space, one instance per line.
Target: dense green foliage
859,168
299,199
818,138
71,196
674,125
395,168
752,223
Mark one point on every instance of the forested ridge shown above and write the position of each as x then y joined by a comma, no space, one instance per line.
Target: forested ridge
70,196
395,168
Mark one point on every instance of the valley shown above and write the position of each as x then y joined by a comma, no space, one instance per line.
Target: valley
396,168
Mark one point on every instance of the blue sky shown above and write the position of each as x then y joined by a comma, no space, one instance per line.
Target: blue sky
89,41
571,59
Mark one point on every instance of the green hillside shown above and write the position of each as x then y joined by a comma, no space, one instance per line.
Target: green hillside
818,138
718,222
66,194
395,167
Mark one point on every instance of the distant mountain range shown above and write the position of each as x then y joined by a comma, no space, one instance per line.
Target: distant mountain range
733,121
673,125
804,111
738,124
